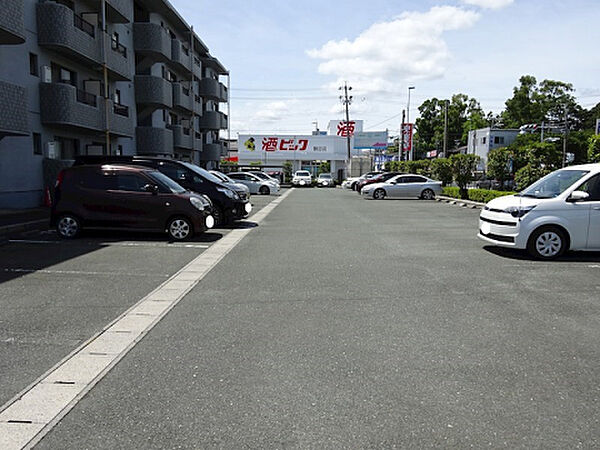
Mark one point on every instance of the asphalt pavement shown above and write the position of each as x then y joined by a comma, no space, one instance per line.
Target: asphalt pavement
337,323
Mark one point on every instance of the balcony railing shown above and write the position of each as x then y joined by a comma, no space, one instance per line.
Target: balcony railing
84,25
86,98
119,48
121,110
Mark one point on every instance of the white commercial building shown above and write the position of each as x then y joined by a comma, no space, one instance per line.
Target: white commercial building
309,151
483,140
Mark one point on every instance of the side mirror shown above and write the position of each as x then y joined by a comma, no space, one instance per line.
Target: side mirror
392,182
577,196
151,188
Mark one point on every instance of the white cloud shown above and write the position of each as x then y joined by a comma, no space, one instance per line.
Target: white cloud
410,47
272,112
489,4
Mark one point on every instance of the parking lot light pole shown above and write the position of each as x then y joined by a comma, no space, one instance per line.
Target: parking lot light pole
347,101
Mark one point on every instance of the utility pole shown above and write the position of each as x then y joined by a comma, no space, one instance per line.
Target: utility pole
445,128
401,140
347,101
410,88
542,134
565,136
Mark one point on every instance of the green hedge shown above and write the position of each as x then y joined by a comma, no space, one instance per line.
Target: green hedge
475,195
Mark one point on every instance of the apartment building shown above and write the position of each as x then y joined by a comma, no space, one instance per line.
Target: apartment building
481,141
91,77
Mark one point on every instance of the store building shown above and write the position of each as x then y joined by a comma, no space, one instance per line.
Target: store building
119,77
307,152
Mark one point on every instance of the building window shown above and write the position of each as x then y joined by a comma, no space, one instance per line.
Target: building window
498,139
37,143
33,65
483,140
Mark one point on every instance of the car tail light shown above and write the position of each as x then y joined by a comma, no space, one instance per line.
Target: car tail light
59,179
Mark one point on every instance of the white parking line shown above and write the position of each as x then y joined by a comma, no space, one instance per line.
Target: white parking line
31,414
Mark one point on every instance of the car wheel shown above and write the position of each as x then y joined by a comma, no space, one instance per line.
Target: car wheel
353,186
264,190
428,194
379,194
547,243
218,215
180,228
68,226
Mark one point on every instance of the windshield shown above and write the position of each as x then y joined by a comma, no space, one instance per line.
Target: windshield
554,184
221,176
202,172
303,173
325,175
261,175
165,181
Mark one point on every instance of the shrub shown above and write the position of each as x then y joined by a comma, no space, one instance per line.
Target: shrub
529,174
475,195
594,149
441,169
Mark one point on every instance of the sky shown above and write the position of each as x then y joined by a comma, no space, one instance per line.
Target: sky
288,58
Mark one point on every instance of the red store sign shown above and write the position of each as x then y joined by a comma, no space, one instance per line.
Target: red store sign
273,144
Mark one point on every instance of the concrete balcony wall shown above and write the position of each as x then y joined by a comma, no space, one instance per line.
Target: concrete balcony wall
213,120
180,100
178,56
154,91
213,90
180,139
57,30
13,110
154,141
59,106
211,152
120,124
198,144
152,39
12,30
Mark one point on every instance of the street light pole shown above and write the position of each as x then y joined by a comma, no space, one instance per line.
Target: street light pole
410,88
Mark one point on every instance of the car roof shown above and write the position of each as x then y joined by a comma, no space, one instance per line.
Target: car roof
595,167
117,166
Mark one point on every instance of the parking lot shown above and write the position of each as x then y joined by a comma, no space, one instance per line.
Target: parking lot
336,322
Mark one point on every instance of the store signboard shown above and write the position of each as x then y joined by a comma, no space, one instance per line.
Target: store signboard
371,139
307,147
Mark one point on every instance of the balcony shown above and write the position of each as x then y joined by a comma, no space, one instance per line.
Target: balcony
155,92
152,40
61,30
12,30
197,67
118,60
198,142
120,121
182,98
65,105
180,55
212,90
14,120
182,137
213,152
154,141
213,120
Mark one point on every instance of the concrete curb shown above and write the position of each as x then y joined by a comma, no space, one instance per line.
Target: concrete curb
459,202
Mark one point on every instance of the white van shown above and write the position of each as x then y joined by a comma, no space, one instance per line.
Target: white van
560,212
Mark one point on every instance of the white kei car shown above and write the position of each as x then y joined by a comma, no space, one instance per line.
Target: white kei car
557,213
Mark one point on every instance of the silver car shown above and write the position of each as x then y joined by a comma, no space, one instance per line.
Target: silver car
254,183
325,180
263,176
240,188
404,186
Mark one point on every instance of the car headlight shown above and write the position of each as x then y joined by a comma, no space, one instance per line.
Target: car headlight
197,203
518,211
229,193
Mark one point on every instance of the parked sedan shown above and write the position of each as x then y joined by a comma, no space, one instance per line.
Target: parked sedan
264,176
240,188
382,177
255,184
404,186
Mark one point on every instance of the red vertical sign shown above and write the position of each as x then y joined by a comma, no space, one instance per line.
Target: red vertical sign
407,133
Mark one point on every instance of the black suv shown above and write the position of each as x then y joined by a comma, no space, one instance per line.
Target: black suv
227,203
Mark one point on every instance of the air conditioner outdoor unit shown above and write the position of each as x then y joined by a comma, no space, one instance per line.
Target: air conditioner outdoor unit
46,74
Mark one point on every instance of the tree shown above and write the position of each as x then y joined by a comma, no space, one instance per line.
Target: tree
523,107
594,149
441,169
324,167
287,170
499,164
589,118
463,167
529,174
